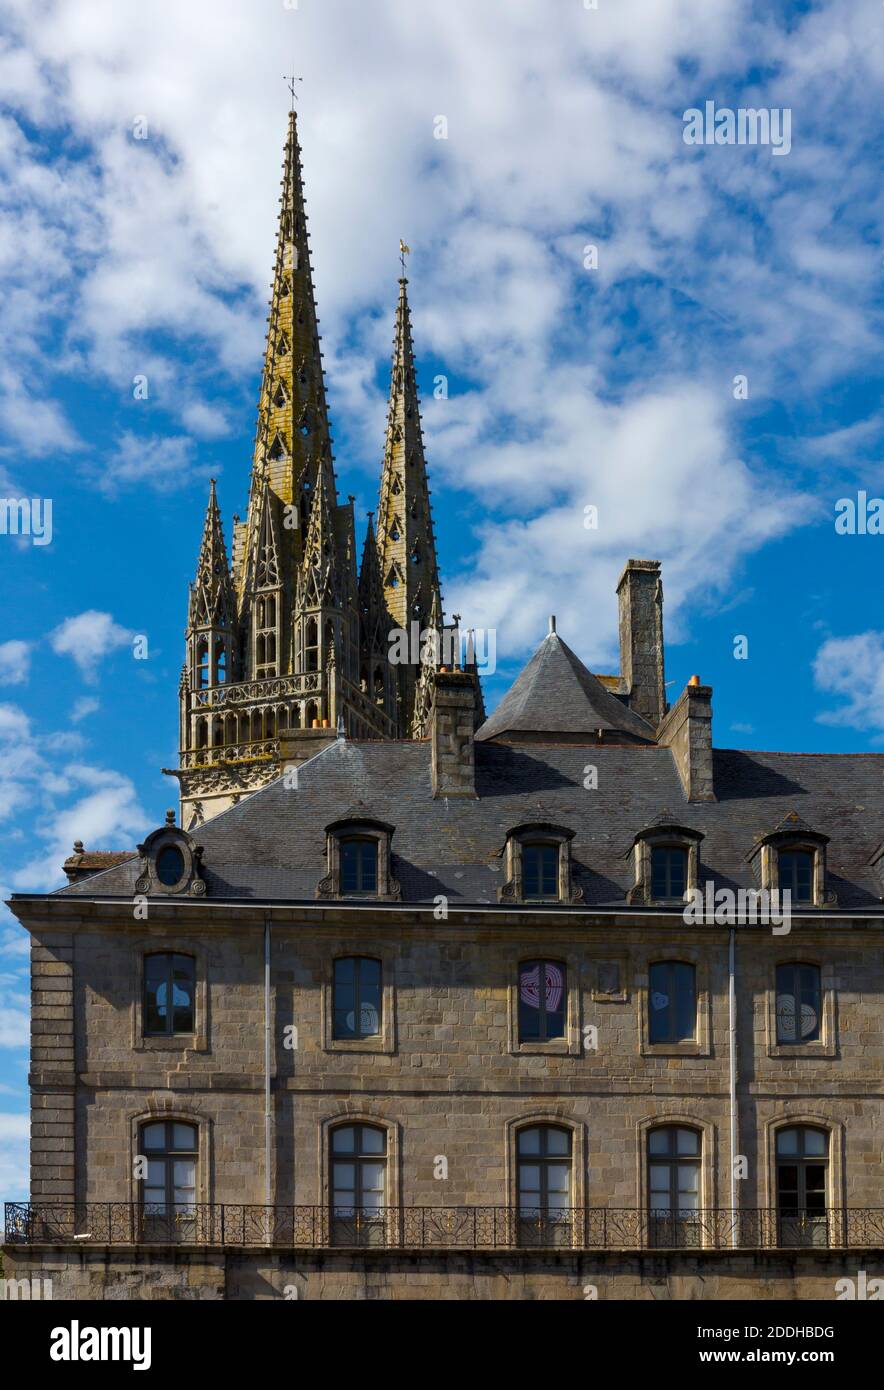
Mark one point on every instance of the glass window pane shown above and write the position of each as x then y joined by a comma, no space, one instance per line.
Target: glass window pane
183,1136
184,1173
529,1141
558,1177
154,1136
554,992
372,1177
686,1008
529,1177
530,871
374,1141
342,1139
170,865
787,1141
549,858
368,863
660,1200
345,970
349,866
677,874
787,1022
156,1173
558,1141
345,1023
658,1141
688,1178
658,1177
344,1177
688,1141
814,1141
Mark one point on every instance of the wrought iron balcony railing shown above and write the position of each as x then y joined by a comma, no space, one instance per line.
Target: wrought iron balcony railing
443,1228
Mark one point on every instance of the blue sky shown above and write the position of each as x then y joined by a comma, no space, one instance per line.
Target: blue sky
569,386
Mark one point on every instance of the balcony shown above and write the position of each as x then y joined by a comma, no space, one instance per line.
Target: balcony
443,1228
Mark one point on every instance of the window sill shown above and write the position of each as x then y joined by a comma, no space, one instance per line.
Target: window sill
364,1045
556,1047
675,1049
816,1050
180,1042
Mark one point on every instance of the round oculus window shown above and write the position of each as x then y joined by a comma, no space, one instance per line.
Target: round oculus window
170,865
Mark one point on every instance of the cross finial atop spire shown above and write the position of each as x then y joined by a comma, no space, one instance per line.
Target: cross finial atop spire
403,252
290,83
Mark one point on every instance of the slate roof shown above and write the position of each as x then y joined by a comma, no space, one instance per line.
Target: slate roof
557,694
271,846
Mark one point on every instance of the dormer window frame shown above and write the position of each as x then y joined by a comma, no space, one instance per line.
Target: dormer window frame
664,835
546,834
190,880
765,860
381,834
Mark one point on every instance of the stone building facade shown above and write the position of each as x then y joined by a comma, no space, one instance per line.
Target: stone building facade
565,1002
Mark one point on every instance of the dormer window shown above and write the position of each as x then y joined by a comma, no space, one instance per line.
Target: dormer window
540,872
359,865
666,856
538,866
170,866
796,874
791,859
669,872
170,863
359,861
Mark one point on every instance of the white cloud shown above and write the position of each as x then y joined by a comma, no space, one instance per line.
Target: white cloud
64,800
853,667
106,815
15,1018
83,707
562,131
15,662
87,638
204,420
160,462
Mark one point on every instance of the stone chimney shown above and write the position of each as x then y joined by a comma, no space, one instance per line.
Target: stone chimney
452,730
640,594
687,730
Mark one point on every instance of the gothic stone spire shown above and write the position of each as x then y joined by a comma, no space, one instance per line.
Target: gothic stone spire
293,440
406,544
211,594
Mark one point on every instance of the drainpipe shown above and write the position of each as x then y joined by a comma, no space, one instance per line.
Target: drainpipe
732,1062
267,1191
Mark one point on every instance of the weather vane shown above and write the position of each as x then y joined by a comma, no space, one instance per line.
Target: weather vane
403,252
290,83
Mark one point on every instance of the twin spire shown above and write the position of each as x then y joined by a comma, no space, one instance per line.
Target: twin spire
294,593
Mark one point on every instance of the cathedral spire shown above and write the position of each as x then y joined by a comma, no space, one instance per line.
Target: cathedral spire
211,610
211,594
406,545
293,440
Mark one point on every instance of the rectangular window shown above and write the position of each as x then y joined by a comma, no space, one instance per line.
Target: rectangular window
796,875
799,1003
359,866
169,995
672,1002
540,871
542,1001
668,872
356,998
